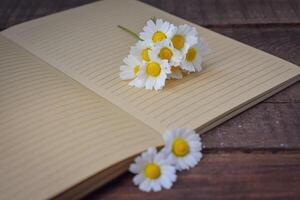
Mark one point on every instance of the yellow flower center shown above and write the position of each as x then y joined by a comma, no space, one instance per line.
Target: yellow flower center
136,69
178,41
165,53
152,171
158,36
153,69
145,54
180,147
191,54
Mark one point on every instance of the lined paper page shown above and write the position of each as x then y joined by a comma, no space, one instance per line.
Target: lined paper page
54,132
86,44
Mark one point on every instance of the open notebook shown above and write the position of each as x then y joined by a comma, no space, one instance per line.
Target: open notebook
69,124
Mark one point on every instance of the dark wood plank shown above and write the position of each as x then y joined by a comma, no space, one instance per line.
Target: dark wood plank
204,12
290,94
222,176
266,126
17,11
233,12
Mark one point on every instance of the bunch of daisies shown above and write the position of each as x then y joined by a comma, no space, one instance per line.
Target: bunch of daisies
164,51
156,170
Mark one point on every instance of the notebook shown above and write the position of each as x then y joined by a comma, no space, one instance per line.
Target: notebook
69,124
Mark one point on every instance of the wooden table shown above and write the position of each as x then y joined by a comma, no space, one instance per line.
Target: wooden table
255,155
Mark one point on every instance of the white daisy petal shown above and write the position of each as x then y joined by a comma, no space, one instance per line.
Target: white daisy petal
138,179
155,186
153,171
137,82
131,69
141,50
145,186
193,57
165,182
154,73
183,147
172,177
126,75
196,145
157,31
150,83
134,168
160,82
184,37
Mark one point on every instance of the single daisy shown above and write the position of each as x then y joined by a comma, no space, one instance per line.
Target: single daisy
165,51
184,37
131,68
193,57
153,73
157,31
183,148
153,171
176,73
141,50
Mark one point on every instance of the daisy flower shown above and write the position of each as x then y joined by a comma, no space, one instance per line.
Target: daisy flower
157,31
141,50
153,171
184,37
153,74
131,68
183,148
165,51
193,57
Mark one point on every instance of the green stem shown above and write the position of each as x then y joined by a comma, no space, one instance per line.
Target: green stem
153,19
130,32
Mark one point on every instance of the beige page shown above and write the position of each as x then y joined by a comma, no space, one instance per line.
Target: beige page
86,44
54,132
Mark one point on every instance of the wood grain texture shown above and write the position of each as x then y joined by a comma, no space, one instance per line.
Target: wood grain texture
222,176
220,13
239,161
210,13
261,127
17,11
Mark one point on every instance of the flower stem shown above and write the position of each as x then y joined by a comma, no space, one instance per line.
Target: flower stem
130,32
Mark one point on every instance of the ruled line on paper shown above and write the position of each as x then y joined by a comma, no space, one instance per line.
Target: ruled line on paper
224,102
219,84
205,104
